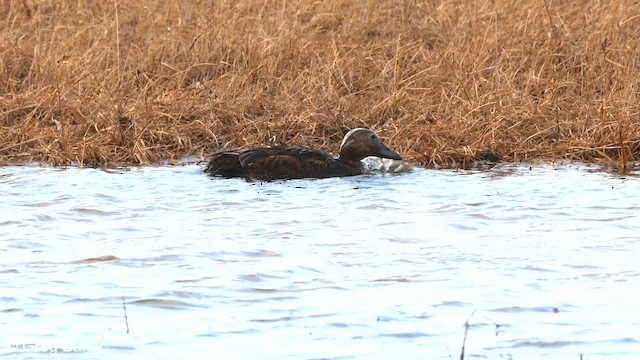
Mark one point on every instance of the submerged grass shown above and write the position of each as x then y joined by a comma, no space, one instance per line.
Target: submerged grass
101,83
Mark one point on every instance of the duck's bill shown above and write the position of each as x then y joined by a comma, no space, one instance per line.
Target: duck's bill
387,153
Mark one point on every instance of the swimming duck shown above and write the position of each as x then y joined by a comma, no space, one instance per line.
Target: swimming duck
297,162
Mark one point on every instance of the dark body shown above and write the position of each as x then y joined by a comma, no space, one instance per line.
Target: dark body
296,162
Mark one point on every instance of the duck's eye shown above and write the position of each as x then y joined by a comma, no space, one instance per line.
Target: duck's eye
373,137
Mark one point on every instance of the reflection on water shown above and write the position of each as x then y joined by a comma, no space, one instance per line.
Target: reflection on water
541,262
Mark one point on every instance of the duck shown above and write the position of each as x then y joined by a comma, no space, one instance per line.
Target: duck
287,162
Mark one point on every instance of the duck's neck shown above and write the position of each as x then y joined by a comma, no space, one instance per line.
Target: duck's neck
354,165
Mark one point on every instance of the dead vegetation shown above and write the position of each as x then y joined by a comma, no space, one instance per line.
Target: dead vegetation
101,83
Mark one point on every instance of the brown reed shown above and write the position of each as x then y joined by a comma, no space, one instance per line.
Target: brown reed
102,83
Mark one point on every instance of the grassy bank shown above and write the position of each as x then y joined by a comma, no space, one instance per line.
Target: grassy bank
109,82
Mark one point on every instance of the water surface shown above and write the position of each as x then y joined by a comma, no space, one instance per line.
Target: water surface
541,262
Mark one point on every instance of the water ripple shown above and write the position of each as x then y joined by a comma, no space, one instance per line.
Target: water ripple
534,262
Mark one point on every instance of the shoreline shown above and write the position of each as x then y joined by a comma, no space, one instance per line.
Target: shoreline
598,165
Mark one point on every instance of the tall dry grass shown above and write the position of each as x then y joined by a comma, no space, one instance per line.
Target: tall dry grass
108,82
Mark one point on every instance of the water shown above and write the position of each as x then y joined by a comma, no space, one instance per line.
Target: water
541,262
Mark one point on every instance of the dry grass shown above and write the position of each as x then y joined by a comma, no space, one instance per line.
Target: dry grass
109,82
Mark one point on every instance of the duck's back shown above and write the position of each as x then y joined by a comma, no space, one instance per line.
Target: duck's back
279,162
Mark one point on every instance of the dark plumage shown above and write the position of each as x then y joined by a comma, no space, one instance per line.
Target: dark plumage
296,162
